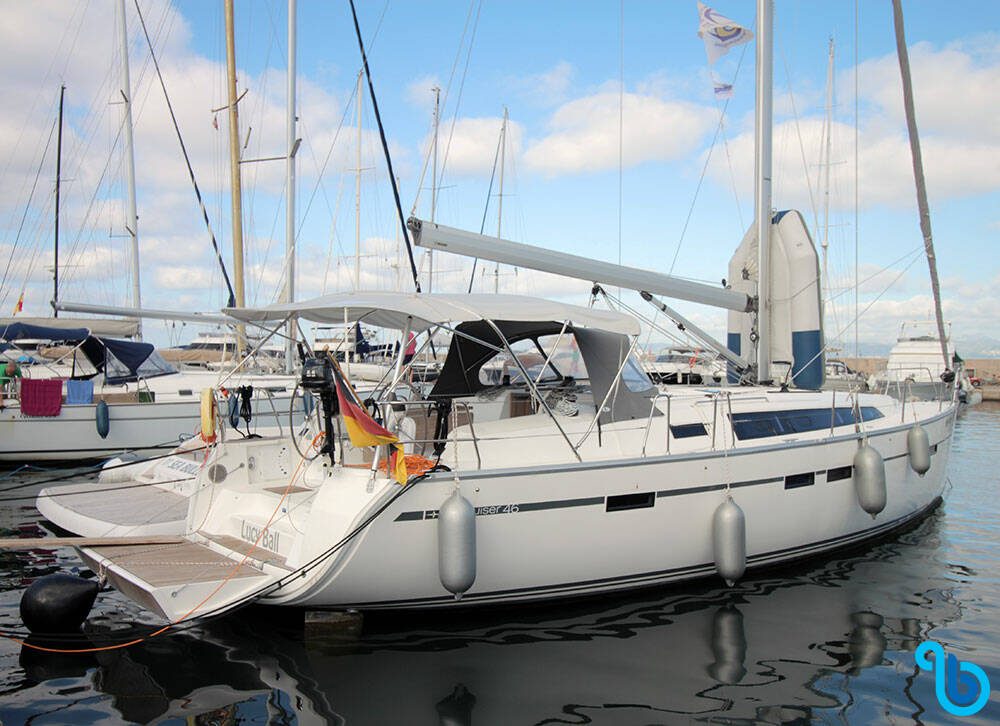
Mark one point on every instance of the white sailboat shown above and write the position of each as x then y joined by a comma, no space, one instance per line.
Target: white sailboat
136,409
135,403
600,484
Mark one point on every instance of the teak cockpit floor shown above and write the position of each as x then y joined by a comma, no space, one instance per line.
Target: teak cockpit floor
142,505
175,564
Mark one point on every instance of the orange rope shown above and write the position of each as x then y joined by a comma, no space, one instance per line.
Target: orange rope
415,464
207,597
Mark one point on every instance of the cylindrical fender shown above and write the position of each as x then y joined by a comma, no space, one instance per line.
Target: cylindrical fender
729,541
919,448
234,409
207,415
457,544
102,419
869,480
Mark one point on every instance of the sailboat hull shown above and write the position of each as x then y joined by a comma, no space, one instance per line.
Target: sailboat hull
563,530
576,541
143,428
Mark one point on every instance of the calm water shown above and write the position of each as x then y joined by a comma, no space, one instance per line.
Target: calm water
829,641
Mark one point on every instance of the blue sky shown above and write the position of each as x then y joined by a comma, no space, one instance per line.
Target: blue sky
556,67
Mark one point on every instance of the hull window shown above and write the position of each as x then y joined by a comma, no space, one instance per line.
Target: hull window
841,472
630,501
794,481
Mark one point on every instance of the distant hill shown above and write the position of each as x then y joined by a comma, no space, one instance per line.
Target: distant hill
980,346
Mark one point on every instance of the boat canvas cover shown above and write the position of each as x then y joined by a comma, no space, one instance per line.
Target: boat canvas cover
467,355
425,310
20,331
119,360
127,361
633,394
114,327
603,353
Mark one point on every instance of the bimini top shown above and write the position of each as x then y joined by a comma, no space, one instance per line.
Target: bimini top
392,309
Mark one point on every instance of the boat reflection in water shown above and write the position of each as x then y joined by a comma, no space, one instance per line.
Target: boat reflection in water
785,647
210,676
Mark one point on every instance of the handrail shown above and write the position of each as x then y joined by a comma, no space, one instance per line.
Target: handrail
472,430
270,400
428,404
715,414
732,426
649,422
833,411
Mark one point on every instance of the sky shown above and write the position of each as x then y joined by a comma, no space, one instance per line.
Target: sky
615,148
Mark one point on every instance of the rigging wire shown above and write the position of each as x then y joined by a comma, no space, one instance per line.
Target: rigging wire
461,88
76,473
798,128
857,206
187,160
333,228
385,149
621,119
868,307
318,186
27,206
447,90
74,254
489,194
73,23
708,157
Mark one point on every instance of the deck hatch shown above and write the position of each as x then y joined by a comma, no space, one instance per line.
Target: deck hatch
686,431
762,424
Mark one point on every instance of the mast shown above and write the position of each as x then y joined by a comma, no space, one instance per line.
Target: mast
131,218
290,187
234,165
357,199
55,261
503,151
762,187
434,172
918,173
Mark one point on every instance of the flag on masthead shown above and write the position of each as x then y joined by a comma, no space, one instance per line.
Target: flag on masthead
719,33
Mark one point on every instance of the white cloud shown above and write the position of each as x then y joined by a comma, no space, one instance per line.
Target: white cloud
420,92
880,320
956,112
546,88
182,277
954,90
584,134
472,146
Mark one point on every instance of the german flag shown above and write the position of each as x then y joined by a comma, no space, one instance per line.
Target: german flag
362,429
